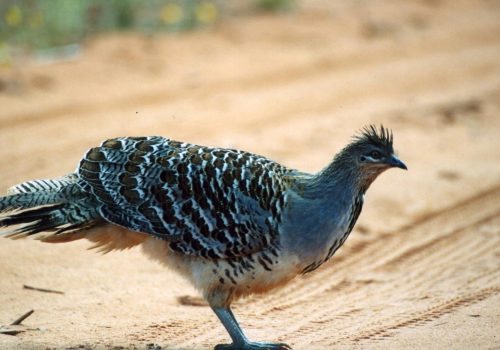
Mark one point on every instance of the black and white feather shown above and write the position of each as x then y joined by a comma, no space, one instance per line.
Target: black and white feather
208,202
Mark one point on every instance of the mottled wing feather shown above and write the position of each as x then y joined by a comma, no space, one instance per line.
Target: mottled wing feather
210,202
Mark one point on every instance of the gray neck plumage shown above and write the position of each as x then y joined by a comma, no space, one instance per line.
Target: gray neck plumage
323,209
342,177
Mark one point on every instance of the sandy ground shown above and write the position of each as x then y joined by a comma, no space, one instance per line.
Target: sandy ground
422,268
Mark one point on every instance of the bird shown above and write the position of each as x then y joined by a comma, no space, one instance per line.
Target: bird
231,222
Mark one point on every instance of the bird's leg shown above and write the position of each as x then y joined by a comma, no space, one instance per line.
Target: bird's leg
229,322
240,341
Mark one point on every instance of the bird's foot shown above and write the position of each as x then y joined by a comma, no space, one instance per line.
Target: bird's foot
253,346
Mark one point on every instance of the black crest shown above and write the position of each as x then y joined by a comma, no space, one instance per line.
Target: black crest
377,136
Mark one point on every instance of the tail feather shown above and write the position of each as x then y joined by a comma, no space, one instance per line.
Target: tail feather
61,208
36,193
58,206
22,201
58,218
44,185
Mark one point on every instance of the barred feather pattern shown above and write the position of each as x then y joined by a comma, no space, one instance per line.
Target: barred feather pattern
208,202
44,185
56,205
35,193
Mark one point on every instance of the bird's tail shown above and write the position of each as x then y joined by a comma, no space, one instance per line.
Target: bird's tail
57,206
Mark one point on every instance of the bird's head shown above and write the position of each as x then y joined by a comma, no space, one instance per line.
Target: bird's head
371,152
357,165
373,149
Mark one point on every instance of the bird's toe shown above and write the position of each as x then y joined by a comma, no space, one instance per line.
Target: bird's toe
269,346
253,346
225,347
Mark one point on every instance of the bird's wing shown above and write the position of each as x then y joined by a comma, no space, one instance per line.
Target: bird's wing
209,202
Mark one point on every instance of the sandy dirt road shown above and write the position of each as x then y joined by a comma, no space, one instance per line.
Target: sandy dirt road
422,268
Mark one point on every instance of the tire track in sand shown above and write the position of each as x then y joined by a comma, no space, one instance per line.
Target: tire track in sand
427,315
429,291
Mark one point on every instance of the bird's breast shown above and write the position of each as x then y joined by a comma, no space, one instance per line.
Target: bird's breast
318,231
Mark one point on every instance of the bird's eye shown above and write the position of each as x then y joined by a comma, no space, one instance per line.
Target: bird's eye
375,155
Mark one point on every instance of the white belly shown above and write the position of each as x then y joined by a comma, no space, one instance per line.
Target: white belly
206,275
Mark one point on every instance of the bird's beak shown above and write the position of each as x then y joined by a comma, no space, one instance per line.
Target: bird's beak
397,163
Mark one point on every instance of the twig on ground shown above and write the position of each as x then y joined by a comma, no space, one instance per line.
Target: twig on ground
191,301
42,289
22,318
10,331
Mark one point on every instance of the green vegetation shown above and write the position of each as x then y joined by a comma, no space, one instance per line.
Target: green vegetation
49,23
276,5
32,25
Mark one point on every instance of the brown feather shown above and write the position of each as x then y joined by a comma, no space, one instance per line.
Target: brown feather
105,238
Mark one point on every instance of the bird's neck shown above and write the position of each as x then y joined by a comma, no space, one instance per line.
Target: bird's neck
341,178
321,209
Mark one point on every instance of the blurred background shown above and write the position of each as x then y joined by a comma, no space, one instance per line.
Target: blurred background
59,27
292,80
